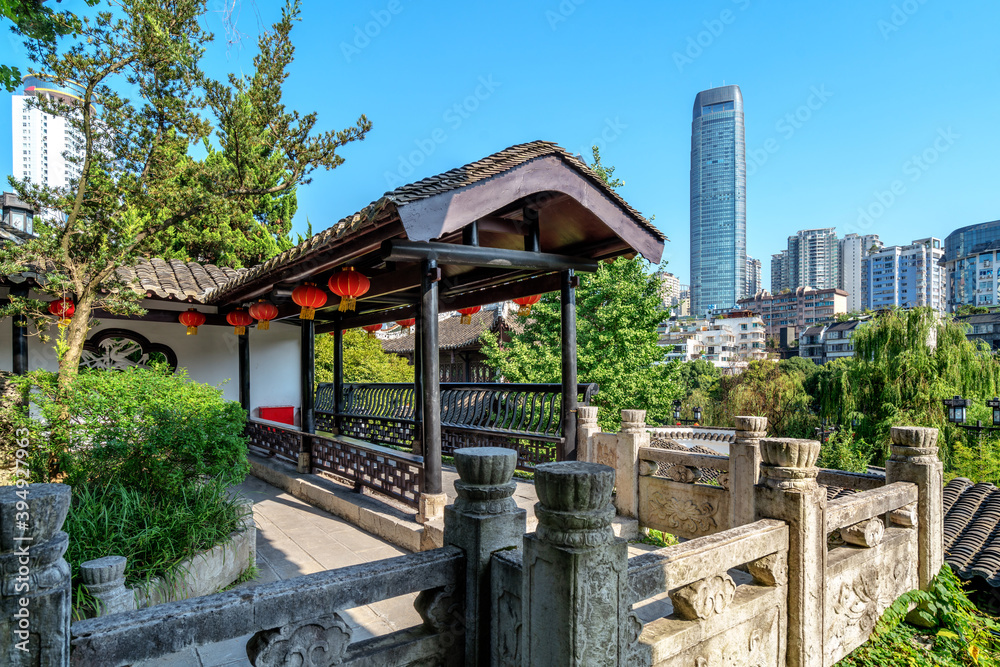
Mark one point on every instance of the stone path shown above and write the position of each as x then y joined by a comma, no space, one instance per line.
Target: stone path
295,538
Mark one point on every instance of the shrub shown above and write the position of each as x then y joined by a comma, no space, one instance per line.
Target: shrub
147,429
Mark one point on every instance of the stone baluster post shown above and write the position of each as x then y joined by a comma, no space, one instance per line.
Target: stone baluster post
484,519
575,571
631,437
744,469
914,459
585,430
788,492
35,593
105,580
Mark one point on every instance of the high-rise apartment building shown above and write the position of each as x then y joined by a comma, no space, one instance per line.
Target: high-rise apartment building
906,276
853,249
718,200
670,289
972,258
40,140
800,308
812,259
753,277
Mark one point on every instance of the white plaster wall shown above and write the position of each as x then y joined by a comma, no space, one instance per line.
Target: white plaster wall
210,357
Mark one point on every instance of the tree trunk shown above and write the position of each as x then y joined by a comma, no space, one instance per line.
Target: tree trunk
71,349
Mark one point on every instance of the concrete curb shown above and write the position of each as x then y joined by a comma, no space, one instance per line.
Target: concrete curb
365,512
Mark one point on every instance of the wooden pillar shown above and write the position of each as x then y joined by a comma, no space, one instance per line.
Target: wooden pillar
244,354
430,373
19,336
307,366
418,385
338,374
569,380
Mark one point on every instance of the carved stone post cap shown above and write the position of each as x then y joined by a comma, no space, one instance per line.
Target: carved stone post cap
103,570
914,437
633,421
48,505
755,424
574,486
485,466
789,452
587,413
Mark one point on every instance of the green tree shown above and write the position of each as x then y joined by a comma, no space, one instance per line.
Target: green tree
39,23
765,389
905,363
364,360
699,375
145,103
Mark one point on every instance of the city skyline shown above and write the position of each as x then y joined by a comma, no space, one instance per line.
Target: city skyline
834,119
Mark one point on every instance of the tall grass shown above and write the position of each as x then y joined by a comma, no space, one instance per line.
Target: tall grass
154,531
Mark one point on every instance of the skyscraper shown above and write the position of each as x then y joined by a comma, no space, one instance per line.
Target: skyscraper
39,140
753,277
853,249
718,200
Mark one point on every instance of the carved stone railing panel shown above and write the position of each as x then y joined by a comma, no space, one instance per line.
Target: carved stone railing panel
684,465
682,509
295,621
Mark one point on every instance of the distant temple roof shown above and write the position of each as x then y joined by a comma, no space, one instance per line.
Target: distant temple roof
453,335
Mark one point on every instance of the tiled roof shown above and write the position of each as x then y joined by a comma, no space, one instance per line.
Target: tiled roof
708,475
174,279
972,529
452,334
481,170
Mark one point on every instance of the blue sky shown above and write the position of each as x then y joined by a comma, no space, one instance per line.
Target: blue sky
883,106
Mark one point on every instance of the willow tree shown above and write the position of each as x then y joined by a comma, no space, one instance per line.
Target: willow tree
905,363
144,104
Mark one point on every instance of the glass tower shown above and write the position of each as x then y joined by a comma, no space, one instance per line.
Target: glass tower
718,200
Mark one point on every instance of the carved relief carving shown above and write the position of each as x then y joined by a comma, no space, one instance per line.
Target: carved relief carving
704,598
118,349
723,480
770,570
509,624
683,474
317,643
439,609
683,514
860,601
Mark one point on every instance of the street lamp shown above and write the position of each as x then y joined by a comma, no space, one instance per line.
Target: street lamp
995,404
825,430
697,415
956,409
677,410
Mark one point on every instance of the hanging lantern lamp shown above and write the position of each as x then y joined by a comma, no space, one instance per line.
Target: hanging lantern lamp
309,297
240,319
192,319
467,313
349,285
263,311
62,308
525,303
406,324
371,329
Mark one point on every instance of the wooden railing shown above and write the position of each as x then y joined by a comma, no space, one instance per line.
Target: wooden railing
523,417
399,475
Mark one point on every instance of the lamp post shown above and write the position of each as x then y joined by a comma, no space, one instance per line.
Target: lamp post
957,406
677,414
824,430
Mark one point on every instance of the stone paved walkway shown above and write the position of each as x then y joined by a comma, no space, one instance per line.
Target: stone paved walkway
294,538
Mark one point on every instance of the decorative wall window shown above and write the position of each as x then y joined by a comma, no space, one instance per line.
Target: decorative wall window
118,349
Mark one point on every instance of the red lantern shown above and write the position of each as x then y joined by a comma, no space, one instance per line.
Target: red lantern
406,324
192,319
240,319
349,285
309,297
525,303
467,314
371,329
62,308
263,311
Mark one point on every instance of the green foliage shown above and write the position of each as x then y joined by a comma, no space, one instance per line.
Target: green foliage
35,21
957,632
766,389
699,375
896,378
364,360
978,461
146,429
841,452
657,538
155,532
617,315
